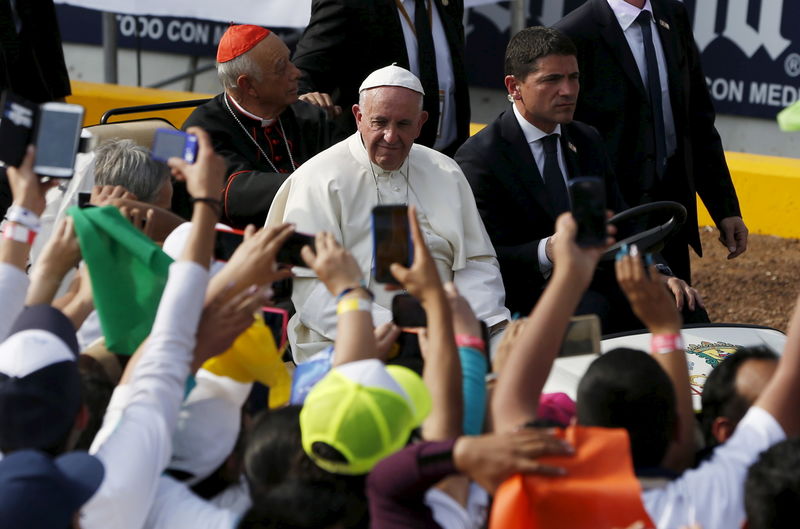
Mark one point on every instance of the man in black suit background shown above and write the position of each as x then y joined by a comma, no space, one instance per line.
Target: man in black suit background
519,166
346,40
665,147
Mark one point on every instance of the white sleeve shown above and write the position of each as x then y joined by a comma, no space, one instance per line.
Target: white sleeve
177,507
139,445
545,264
712,495
13,288
481,284
316,307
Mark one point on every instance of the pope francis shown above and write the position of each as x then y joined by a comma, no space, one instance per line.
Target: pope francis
336,190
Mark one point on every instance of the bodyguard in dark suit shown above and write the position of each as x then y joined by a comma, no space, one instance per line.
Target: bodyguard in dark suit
519,166
346,40
663,147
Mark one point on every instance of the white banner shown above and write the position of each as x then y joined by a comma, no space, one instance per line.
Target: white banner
269,13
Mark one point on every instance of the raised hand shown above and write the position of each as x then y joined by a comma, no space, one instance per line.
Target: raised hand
204,178
333,264
422,279
490,459
647,294
26,189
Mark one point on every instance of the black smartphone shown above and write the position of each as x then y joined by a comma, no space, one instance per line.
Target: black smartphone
588,195
277,320
391,241
168,143
58,133
408,312
226,242
290,251
16,128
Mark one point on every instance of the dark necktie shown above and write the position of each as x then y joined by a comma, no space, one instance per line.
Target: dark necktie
654,89
553,178
426,57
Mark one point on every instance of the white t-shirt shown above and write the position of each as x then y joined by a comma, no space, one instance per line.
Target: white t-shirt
712,495
135,441
176,507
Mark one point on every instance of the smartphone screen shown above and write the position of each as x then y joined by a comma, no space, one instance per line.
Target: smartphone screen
588,196
226,243
407,312
16,128
57,135
277,320
391,241
290,251
168,143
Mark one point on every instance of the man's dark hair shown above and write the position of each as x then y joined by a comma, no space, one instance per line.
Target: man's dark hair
720,398
530,45
284,481
772,488
626,388
96,390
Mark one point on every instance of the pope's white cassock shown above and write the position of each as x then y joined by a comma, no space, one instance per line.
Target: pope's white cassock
336,190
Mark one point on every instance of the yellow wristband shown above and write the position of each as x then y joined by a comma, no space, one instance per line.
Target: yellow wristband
350,304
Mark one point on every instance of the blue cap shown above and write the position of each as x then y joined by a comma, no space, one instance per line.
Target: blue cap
41,492
39,381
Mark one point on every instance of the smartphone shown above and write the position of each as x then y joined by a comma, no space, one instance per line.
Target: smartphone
290,251
277,320
169,143
407,312
391,241
16,128
58,132
226,242
588,195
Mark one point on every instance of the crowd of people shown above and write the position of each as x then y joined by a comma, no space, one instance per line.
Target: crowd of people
141,388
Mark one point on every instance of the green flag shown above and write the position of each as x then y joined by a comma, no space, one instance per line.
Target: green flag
128,273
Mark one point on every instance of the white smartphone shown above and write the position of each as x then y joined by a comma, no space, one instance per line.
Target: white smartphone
58,133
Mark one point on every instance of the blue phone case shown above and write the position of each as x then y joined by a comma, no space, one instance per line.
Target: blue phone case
168,143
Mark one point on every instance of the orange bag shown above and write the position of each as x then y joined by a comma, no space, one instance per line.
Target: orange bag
600,490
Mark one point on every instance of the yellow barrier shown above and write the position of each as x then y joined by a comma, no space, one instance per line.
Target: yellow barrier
768,186
769,193
97,98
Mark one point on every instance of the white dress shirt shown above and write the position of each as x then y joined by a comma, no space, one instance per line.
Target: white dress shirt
534,136
444,70
626,16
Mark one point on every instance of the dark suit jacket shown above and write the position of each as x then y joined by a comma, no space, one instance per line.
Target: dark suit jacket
512,198
252,183
346,40
613,99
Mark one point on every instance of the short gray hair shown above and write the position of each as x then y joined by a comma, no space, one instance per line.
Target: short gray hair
119,162
229,71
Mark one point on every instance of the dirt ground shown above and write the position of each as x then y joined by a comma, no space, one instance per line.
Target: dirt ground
759,287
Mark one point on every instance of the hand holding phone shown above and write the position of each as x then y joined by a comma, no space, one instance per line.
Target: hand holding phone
588,195
407,312
226,242
290,251
58,133
168,143
391,241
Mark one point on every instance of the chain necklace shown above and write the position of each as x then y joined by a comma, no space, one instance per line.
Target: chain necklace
375,178
244,129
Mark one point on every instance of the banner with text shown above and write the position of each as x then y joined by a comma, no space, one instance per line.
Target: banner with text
750,48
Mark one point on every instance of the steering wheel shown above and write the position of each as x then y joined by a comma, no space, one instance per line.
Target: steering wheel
651,239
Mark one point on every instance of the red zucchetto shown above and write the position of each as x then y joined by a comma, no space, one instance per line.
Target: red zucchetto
238,40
